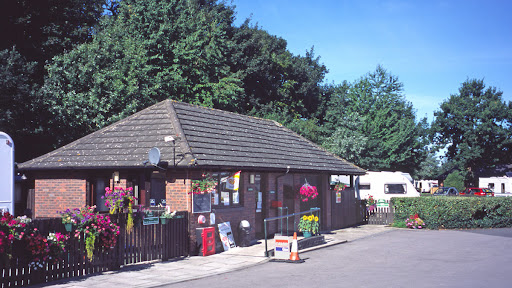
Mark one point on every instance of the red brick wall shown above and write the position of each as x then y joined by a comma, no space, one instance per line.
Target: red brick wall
57,193
177,191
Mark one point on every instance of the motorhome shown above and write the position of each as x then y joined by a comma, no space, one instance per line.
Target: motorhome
385,185
425,186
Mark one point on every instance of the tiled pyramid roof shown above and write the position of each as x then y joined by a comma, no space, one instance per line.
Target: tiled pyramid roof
207,138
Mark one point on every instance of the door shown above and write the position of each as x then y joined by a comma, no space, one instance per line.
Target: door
289,202
260,208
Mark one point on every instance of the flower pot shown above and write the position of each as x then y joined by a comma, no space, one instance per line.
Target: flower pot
307,234
68,227
163,220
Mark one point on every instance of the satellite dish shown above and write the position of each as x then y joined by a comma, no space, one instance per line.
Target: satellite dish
154,156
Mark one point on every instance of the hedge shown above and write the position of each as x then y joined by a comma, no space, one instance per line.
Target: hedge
456,212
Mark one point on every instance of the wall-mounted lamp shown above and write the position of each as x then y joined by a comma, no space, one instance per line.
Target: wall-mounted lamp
115,176
173,140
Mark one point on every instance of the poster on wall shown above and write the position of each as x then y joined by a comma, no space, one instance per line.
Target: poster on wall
201,203
226,236
338,196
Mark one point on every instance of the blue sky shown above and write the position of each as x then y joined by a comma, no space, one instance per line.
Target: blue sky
432,46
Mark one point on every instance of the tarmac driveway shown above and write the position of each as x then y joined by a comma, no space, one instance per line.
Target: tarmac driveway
399,258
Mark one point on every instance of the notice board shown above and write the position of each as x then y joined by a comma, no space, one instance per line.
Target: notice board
226,236
201,203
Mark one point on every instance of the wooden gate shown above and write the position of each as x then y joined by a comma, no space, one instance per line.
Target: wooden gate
346,210
381,215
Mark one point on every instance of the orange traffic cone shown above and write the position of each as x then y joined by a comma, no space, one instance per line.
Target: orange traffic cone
294,255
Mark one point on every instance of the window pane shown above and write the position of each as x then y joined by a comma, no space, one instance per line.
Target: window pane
394,188
100,192
364,186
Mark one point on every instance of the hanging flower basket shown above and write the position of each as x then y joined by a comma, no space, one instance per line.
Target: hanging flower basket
307,192
205,185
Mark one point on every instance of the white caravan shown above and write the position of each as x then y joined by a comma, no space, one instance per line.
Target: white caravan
425,186
384,185
501,186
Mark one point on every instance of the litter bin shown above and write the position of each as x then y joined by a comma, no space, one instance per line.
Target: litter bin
244,233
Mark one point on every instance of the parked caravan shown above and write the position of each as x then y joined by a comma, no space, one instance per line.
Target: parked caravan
501,186
425,186
385,185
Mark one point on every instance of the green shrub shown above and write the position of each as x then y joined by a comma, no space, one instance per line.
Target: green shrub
456,212
455,179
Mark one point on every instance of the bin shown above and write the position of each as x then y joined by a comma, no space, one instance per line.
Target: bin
244,233
205,239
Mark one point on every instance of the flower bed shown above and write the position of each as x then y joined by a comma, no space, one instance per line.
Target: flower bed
97,229
18,237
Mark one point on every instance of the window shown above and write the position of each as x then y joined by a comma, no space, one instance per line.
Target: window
224,197
364,186
95,190
395,188
502,187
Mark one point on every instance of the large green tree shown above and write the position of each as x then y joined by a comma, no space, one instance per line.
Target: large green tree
385,133
151,51
475,128
278,84
32,33
187,50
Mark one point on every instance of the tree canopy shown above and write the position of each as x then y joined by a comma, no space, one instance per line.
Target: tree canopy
475,128
374,125
70,68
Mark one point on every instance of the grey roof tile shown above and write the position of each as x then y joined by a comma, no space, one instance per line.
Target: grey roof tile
211,137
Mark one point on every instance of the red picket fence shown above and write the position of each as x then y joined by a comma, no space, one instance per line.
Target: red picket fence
144,243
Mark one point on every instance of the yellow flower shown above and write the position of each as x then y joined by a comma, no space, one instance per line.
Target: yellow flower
304,217
310,218
316,218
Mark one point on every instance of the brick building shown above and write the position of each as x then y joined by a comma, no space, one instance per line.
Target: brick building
188,141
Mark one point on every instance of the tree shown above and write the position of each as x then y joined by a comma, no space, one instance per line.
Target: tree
455,179
429,168
275,80
393,140
152,50
347,141
475,128
32,33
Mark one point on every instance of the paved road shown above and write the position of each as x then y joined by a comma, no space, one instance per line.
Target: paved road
400,258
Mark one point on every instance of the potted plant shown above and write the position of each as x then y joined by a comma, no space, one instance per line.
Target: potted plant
120,200
371,203
205,185
308,225
166,215
97,230
307,192
339,186
69,217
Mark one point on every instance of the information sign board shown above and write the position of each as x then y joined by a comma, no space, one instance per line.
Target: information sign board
226,236
282,247
382,203
201,203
